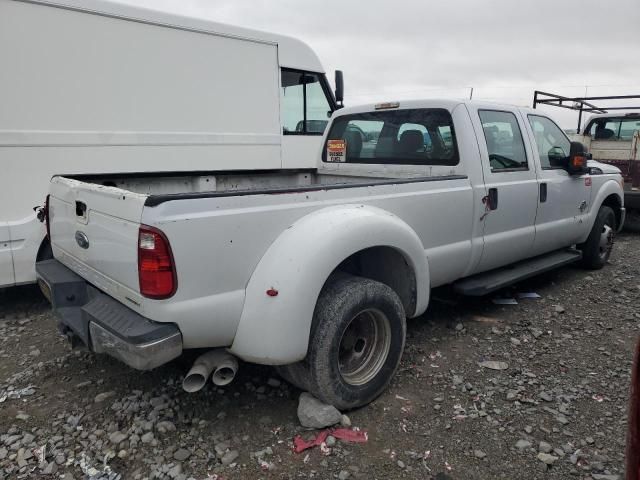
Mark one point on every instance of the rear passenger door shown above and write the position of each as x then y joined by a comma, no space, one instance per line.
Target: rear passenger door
512,186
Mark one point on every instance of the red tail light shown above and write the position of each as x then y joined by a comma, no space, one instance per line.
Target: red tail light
156,269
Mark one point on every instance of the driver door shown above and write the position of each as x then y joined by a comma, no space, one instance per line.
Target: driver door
564,199
510,176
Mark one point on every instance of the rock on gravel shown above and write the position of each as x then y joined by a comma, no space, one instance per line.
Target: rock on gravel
546,458
494,365
479,454
181,454
165,426
312,413
546,396
523,444
117,437
101,397
229,457
545,447
345,421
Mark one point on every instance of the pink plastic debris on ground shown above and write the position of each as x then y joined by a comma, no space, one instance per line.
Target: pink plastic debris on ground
353,436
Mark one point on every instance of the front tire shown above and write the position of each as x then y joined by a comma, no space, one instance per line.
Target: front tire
597,249
357,339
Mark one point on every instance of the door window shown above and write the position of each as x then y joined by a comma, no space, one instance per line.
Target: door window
305,106
553,145
504,141
628,127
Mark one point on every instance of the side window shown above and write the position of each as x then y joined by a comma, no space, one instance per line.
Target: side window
614,128
628,127
504,140
305,107
445,135
607,130
553,145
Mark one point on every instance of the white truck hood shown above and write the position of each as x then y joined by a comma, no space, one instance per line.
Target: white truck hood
605,167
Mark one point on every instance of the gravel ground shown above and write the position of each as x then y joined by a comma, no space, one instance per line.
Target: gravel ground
555,407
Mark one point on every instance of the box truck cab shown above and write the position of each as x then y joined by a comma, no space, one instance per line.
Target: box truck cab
96,87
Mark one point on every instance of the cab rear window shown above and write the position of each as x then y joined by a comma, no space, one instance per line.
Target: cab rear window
397,137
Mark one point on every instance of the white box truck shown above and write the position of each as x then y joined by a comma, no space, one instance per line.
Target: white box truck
96,87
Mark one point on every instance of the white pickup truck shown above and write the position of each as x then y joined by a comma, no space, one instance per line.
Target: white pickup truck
315,271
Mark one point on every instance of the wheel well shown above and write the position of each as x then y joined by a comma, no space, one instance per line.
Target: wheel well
385,265
614,202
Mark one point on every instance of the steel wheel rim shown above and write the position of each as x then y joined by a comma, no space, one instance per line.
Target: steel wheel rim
364,347
606,242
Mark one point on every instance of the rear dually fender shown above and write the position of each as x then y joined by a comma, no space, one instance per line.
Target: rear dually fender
282,292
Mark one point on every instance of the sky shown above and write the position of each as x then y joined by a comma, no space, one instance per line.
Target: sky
504,49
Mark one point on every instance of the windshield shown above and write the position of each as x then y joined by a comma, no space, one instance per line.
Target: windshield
403,137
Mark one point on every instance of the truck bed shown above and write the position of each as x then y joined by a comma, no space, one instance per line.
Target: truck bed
221,224
161,187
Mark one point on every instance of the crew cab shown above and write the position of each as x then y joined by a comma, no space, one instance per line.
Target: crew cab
315,271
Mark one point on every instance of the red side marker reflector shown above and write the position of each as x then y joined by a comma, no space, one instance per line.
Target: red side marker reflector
272,292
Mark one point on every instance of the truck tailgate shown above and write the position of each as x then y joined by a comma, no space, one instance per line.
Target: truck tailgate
94,231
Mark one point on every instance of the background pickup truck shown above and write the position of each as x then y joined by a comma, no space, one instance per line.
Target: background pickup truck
315,271
614,139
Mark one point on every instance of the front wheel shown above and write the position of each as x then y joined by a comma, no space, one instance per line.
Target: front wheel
356,342
597,249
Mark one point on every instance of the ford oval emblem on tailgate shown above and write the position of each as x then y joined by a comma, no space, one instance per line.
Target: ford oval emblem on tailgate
82,240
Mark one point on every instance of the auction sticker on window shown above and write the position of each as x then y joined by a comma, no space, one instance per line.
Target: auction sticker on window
336,151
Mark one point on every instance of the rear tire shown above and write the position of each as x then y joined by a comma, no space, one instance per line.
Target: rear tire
356,342
597,249
297,374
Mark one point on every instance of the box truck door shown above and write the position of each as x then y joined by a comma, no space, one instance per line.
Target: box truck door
305,111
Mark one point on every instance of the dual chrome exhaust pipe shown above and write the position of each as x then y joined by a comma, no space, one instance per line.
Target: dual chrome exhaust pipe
218,363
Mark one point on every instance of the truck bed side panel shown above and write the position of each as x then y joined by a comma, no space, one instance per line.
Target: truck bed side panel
219,261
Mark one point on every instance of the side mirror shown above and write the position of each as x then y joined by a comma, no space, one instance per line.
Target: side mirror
577,163
633,436
339,88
